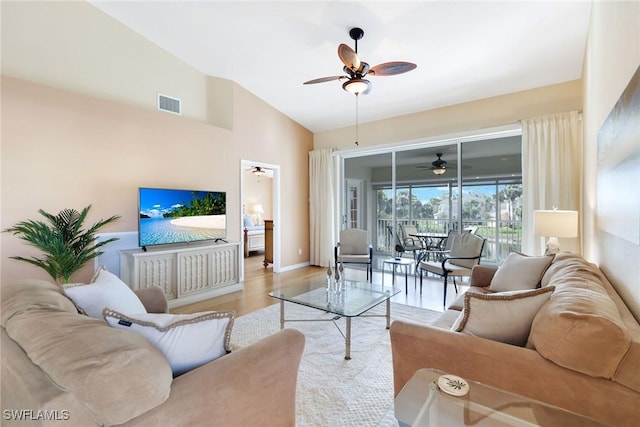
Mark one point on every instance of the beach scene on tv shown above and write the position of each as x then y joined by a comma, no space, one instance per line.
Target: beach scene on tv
178,216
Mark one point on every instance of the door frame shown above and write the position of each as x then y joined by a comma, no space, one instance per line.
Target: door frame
244,164
359,184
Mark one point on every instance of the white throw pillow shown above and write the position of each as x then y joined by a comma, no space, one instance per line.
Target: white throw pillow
107,290
520,272
186,340
503,316
248,222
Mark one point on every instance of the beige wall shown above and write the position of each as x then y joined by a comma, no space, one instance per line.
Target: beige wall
80,126
65,150
74,46
612,57
471,116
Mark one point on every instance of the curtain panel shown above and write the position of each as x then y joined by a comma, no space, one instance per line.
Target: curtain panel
552,159
322,203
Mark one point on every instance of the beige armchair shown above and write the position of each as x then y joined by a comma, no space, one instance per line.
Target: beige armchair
466,251
353,248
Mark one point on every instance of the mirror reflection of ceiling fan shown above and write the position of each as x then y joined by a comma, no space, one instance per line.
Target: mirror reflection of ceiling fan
356,70
439,166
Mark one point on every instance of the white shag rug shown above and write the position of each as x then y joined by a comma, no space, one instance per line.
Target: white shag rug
333,391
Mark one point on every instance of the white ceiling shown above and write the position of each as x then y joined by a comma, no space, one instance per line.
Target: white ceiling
465,50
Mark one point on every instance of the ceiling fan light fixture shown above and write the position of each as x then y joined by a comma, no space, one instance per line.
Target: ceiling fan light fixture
258,171
439,171
356,86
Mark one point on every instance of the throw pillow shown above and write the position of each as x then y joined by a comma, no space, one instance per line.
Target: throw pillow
248,222
186,340
520,272
107,290
504,316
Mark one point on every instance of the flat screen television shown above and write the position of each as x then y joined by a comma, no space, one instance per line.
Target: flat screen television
169,216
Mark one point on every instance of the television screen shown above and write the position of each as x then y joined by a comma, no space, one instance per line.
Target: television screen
180,216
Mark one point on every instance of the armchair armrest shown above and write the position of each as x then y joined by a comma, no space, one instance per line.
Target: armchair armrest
515,369
153,299
253,386
444,260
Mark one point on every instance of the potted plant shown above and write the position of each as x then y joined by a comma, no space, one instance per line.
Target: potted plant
67,246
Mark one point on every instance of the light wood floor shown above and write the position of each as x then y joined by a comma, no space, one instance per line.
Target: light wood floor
259,281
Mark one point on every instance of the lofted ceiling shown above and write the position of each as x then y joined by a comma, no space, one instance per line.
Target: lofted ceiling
465,50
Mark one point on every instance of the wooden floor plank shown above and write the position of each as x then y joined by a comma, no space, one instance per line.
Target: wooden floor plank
259,281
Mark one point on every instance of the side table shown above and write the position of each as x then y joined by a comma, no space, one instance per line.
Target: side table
422,403
395,263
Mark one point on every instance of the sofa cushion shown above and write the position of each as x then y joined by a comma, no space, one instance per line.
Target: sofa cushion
31,294
501,316
519,272
107,290
85,357
186,340
458,303
580,328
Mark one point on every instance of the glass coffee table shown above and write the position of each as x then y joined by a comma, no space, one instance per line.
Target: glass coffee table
421,402
345,298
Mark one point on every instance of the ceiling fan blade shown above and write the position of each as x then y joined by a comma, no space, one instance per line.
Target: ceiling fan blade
392,68
324,79
348,57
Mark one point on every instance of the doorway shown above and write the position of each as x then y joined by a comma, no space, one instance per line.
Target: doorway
259,198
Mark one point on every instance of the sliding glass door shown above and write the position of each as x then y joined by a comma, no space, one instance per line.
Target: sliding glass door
471,185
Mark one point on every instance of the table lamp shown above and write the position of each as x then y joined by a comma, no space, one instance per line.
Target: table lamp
553,224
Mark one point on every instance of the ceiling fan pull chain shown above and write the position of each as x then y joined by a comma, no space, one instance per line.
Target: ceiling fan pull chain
357,121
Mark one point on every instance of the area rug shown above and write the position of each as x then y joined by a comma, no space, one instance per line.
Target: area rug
333,391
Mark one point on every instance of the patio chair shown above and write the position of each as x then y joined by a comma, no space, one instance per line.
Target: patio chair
353,248
394,241
466,251
441,249
410,243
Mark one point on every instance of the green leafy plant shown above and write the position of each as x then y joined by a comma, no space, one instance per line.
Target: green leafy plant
67,246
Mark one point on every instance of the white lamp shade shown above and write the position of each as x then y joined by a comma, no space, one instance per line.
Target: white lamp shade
258,209
555,223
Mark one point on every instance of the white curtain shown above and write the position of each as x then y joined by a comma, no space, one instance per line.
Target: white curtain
552,162
322,190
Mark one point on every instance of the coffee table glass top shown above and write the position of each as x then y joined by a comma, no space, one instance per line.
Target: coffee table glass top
351,299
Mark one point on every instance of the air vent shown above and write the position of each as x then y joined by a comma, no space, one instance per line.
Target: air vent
169,104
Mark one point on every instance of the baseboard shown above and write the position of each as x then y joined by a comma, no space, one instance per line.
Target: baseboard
294,267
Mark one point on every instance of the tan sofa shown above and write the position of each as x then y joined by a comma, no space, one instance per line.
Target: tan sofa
583,351
61,365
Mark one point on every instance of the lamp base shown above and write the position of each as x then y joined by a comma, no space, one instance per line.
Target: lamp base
553,246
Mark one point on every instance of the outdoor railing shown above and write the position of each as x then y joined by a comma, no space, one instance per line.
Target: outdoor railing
502,238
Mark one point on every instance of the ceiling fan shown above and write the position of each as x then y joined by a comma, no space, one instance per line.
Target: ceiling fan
439,166
356,70
258,171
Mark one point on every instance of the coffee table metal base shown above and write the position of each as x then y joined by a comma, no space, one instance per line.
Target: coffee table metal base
347,333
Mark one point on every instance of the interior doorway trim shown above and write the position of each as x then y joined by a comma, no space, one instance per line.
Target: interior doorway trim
244,165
